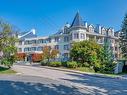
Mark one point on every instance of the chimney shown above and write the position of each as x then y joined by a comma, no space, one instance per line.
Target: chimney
85,24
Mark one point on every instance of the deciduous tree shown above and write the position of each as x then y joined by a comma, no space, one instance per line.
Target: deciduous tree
7,43
49,53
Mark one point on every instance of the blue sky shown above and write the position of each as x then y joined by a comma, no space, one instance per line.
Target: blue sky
47,16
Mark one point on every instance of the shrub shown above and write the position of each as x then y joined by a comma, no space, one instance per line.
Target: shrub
21,56
85,64
44,63
64,64
7,62
55,64
36,57
72,64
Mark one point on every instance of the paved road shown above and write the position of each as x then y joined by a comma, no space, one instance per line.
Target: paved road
30,85
65,83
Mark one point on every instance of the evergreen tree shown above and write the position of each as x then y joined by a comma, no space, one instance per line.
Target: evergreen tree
107,58
123,38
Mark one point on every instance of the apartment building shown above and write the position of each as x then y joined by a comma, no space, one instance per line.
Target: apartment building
78,30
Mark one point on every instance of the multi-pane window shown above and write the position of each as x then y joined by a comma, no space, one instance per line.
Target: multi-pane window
33,48
66,55
115,48
33,42
56,47
26,42
20,42
82,36
39,48
91,29
103,31
49,40
30,42
26,49
19,49
56,39
66,47
40,41
76,36
66,39
71,37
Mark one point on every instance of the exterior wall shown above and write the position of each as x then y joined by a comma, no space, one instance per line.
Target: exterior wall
64,40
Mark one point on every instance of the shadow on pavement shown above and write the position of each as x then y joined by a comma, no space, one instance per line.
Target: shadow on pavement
100,86
28,88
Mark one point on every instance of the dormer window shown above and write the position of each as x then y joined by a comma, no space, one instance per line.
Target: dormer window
91,28
111,32
103,31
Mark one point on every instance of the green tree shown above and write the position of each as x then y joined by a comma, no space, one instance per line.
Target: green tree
123,38
91,54
107,58
86,52
7,43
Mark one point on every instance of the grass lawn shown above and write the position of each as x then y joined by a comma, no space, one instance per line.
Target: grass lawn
4,70
86,69
83,69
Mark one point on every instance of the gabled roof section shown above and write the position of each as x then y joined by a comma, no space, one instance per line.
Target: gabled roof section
77,21
30,34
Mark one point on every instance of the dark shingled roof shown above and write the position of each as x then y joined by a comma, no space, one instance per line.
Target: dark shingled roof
77,21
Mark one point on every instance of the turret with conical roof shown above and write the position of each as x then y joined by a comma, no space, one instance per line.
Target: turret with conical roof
77,21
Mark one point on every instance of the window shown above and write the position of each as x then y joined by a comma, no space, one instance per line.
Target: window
33,48
26,49
115,48
40,41
71,37
56,39
103,31
33,42
76,35
66,55
20,42
19,49
116,55
49,40
66,39
82,36
66,47
56,47
26,42
91,29
39,48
